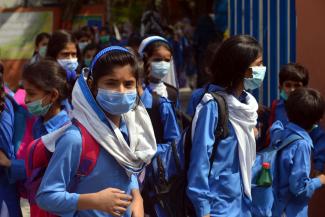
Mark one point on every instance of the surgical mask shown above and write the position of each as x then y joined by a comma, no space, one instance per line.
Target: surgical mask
116,103
257,80
69,64
104,39
36,108
160,69
82,45
87,61
42,51
283,95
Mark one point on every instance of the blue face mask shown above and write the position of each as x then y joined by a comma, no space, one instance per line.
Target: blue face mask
160,69
69,64
283,95
116,103
257,80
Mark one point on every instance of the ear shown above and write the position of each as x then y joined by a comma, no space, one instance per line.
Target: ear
55,95
92,86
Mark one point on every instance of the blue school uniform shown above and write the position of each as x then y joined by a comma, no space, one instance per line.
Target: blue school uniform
42,128
293,187
221,193
54,195
197,96
9,176
168,117
317,135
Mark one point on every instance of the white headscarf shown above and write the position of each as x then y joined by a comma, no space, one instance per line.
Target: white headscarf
170,78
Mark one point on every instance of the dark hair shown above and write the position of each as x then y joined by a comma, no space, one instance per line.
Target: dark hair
48,75
305,107
294,72
41,36
82,33
2,89
106,63
58,41
89,47
149,51
233,58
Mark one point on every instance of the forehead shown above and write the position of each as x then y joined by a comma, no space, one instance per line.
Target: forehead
162,52
120,73
70,47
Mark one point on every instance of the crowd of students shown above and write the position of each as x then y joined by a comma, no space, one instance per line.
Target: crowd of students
87,136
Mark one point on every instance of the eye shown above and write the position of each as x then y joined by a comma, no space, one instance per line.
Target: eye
129,84
157,59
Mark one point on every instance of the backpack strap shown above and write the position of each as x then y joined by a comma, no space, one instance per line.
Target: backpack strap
172,93
155,116
89,155
289,140
222,130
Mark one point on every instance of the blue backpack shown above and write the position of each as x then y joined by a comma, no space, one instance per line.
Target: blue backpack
262,196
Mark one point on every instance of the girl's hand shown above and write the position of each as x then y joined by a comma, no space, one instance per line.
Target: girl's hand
137,209
322,178
207,215
113,201
4,161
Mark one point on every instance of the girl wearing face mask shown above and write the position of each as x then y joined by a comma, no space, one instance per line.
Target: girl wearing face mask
236,67
154,95
64,49
106,104
46,87
159,76
41,42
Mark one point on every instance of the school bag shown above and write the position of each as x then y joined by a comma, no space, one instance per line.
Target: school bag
38,158
263,196
23,122
166,177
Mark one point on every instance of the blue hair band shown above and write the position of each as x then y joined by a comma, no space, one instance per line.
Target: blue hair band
103,52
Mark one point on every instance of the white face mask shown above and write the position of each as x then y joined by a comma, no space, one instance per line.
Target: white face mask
257,79
69,64
160,69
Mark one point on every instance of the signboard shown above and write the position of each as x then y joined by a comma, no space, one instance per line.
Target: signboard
18,31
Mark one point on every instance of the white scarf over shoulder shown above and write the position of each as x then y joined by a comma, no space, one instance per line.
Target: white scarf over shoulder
243,118
132,157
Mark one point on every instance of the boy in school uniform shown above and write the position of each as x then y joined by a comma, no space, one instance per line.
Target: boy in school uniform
293,186
291,77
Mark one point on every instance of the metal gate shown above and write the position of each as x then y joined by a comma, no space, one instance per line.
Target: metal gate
273,24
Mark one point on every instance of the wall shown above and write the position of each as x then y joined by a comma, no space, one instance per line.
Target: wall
311,40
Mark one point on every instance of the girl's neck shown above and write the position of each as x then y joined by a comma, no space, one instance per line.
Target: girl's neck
54,110
238,91
116,119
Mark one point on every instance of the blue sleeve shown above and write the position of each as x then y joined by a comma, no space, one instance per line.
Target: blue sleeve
276,131
202,144
190,106
169,121
134,182
299,182
318,137
53,195
17,170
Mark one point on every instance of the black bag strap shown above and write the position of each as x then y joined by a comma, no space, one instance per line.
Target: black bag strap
155,116
222,130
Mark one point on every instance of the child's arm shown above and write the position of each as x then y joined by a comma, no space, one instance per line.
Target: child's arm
203,139
301,185
15,168
53,194
169,121
318,137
